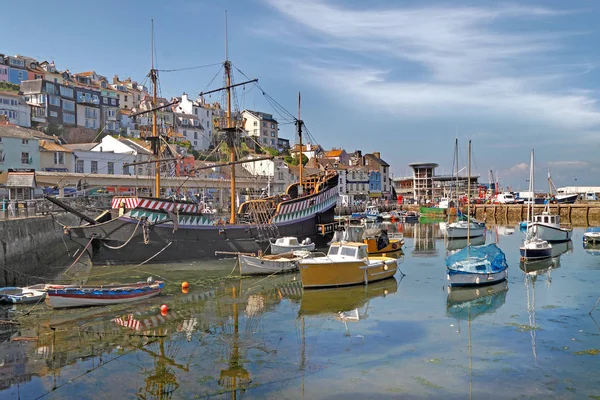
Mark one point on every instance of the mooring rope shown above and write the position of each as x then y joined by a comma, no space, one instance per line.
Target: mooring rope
79,256
128,240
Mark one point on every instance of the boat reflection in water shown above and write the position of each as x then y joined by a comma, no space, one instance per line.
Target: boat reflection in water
344,299
592,248
453,245
559,248
468,303
533,270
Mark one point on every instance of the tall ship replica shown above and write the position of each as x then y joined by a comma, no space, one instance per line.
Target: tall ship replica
139,229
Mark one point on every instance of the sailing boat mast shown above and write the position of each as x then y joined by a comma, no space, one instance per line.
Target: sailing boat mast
469,198
155,138
456,167
299,125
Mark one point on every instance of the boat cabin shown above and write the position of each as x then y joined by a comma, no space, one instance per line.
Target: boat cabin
287,241
348,250
545,218
372,210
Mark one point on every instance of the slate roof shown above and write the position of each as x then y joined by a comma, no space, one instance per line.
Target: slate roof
21,179
49,145
81,146
22,133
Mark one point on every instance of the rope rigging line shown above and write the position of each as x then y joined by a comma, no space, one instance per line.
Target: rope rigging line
128,240
189,68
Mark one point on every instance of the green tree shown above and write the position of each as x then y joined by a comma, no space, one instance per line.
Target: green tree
54,130
271,151
294,160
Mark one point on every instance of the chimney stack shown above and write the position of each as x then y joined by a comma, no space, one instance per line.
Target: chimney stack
377,154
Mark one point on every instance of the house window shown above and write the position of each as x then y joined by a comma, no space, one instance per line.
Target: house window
264,133
79,166
114,101
17,62
272,126
68,105
54,101
94,167
184,122
53,114
24,141
272,142
1,156
104,100
255,123
184,133
272,133
264,124
68,118
59,158
66,92
195,135
195,143
49,88
126,170
125,98
25,158
111,168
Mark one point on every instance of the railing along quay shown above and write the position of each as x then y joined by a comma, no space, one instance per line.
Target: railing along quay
575,214
12,209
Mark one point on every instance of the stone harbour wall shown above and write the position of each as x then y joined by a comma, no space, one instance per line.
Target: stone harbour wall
33,248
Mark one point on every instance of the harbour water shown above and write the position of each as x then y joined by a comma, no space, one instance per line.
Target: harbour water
255,338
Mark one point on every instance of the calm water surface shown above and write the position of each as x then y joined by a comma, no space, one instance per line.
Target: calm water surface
258,338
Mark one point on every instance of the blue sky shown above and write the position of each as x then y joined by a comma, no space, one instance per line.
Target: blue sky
404,78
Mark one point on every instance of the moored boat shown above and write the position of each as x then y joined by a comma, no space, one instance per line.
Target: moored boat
101,295
547,227
290,243
477,266
346,263
270,264
21,295
535,248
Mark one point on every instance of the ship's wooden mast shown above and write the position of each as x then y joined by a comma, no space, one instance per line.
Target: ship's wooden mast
230,129
299,126
155,138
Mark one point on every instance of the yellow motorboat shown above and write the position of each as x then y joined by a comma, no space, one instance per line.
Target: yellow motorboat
346,263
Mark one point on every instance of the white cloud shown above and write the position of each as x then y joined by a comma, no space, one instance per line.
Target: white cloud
466,65
568,164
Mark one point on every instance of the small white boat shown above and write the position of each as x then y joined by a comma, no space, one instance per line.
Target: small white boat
21,295
102,295
535,248
592,235
464,229
290,243
271,264
386,215
372,213
547,227
477,266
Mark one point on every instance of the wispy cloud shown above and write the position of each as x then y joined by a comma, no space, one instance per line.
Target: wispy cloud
569,164
461,61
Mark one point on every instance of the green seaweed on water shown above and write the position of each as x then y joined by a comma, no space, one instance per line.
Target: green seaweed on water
426,383
590,352
524,328
550,306
434,361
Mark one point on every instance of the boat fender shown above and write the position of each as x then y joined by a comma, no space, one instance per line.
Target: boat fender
477,280
394,245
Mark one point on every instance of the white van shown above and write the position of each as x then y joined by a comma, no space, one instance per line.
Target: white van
505,198
589,196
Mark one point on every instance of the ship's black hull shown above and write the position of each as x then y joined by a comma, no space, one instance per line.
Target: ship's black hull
186,243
